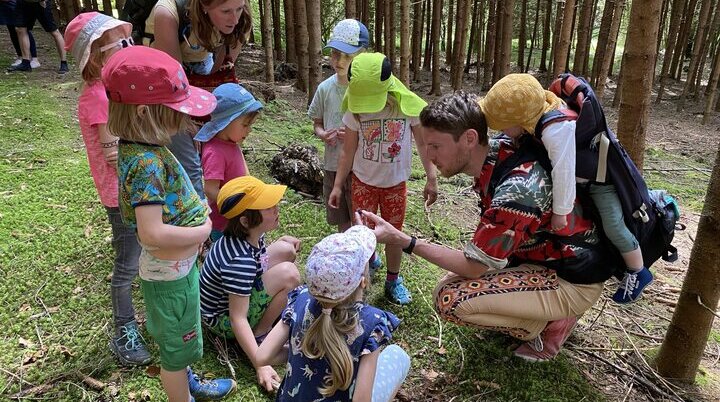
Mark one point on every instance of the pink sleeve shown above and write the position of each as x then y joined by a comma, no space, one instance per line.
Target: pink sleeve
97,113
213,163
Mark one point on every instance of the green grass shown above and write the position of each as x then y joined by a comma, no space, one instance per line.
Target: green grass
56,256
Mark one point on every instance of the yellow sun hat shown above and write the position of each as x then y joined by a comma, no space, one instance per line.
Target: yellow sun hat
247,192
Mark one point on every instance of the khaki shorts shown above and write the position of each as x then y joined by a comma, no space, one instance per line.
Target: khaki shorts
173,319
343,213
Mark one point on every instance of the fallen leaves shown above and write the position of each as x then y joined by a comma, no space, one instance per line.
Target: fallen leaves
152,371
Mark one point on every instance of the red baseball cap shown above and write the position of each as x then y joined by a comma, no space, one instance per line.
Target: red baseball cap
140,75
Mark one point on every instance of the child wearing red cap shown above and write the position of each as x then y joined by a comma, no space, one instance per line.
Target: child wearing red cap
150,100
92,38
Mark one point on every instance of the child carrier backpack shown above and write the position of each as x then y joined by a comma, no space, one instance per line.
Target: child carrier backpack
650,215
137,12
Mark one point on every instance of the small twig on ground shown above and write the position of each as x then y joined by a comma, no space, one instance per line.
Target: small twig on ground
93,383
37,331
641,335
462,356
435,314
632,382
223,354
699,300
602,309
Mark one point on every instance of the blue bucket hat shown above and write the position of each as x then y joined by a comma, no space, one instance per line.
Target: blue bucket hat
233,101
349,36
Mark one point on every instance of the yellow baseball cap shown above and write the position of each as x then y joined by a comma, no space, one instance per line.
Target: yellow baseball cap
247,192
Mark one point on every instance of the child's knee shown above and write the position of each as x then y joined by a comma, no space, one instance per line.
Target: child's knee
290,275
285,251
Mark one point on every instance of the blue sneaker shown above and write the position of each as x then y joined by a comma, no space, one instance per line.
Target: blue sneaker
209,390
129,346
397,292
375,263
632,285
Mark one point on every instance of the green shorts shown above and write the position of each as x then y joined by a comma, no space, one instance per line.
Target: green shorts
259,302
173,319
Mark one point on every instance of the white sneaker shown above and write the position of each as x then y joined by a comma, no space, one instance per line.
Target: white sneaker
34,63
18,61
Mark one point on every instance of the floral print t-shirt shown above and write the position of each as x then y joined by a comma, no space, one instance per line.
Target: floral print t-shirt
304,376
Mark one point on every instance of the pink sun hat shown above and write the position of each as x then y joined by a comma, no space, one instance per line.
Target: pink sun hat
140,75
85,29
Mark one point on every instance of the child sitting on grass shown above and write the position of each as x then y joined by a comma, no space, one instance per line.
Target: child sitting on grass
244,283
221,138
150,100
336,340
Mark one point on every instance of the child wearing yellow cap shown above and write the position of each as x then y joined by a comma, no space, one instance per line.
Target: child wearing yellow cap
244,283
381,118
515,105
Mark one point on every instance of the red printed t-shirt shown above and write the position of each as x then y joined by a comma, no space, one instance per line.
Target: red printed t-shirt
517,213
93,110
224,161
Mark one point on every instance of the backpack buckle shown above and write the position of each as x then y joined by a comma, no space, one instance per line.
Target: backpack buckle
641,214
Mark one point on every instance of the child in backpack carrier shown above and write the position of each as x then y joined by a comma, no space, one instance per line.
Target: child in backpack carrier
515,105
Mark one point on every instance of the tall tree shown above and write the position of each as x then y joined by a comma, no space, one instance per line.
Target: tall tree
449,31
607,61
682,42
390,32
603,36
563,43
267,40
673,30
435,35
522,40
559,13
314,46
471,43
638,66
461,31
489,57
350,9
506,42
379,23
277,30
534,36
687,334
546,35
479,41
417,37
581,46
301,44
697,46
710,33
713,88
290,50
427,57
405,41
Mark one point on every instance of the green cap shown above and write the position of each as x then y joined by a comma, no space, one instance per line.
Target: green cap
371,80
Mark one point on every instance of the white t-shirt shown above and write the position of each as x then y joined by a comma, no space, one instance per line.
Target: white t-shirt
326,106
559,141
384,153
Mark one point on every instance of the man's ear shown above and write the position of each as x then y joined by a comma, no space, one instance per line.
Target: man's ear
471,136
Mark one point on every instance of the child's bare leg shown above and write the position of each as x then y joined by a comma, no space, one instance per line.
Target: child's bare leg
634,260
279,280
279,252
176,385
393,257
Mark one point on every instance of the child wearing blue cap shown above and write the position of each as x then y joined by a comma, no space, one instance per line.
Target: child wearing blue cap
221,138
349,38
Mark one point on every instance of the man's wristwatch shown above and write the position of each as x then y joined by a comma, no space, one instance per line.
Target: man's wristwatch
409,249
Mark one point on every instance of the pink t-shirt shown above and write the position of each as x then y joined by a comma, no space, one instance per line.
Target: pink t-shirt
93,110
224,161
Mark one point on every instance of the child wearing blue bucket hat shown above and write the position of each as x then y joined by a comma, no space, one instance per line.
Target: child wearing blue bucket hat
221,138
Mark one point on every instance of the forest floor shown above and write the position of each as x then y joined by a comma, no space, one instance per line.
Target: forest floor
55,259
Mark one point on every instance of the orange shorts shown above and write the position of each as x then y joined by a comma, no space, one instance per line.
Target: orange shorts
391,201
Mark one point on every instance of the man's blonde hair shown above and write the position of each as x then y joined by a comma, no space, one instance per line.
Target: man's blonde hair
151,124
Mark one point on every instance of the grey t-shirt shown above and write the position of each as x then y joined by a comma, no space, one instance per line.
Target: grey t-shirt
326,106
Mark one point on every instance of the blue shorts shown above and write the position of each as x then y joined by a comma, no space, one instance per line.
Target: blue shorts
26,13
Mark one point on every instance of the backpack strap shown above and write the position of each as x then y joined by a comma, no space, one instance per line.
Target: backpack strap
184,22
553,116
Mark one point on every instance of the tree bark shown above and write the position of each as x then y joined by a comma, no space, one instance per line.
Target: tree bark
603,37
314,46
697,46
277,30
489,58
681,44
559,13
290,50
301,45
471,42
459,47
534,36
379,23
713,88
687,335
449,31
435,35
479,42
390,32
638,64
610,51
267,41
417,37
563,43
546,36
107,7
427,58
350,9
581,46
507,33
405,41
522,39
673,30
710,35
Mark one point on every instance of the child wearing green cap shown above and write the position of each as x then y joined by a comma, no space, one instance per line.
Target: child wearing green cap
381,117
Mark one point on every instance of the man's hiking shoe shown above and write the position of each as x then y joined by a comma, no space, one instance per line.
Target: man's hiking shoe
632,285
209,390
129,346
63,68
396,291
548,344
375,263
23,66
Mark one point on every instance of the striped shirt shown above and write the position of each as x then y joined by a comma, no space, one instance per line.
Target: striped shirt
231,266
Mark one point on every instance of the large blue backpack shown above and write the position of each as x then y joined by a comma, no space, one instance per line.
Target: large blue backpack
651,215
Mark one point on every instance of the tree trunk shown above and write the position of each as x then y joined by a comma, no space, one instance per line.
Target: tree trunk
405,41
277,31
681,44
522,39
428,40
301,44
314,47
107,7
581,46
697,46
673,30
290,50
602,40
365,16
471,43
559,13
507,34
563,43
379,23
435,35
479,42
390,32
610,51
638,63
687,335
618,90
546,36
417,36
489,58
350,9
449,31
705,51
459,46
712,87
267,40
661,31
534,36
497,64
